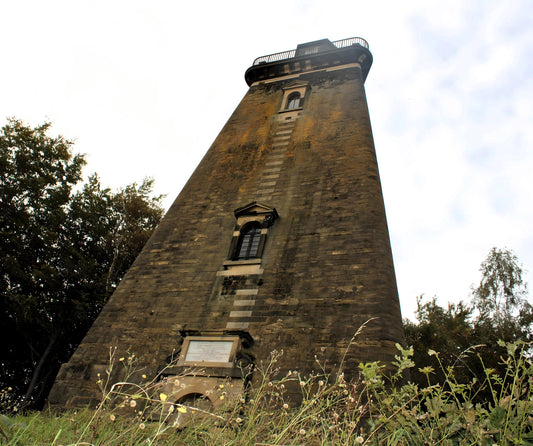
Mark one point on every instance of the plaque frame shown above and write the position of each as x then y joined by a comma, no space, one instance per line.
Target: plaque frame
236,343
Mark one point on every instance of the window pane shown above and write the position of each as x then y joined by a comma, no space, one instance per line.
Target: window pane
249,242
293,101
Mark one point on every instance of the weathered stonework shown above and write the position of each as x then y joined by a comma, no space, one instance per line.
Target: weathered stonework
325,266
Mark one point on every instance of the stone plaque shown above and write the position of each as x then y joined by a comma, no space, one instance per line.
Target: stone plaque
209,351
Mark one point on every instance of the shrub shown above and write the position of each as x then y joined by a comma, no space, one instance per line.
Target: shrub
377,409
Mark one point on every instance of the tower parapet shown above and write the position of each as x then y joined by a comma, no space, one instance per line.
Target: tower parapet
307,57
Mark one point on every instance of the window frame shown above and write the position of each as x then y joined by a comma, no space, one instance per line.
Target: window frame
256,215
289,91
294,101
251,234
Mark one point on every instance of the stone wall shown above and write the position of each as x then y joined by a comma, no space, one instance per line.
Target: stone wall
326,267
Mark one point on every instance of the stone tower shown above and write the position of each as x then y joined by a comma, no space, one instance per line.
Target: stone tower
278,241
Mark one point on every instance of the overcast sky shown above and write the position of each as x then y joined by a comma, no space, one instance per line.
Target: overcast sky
144,88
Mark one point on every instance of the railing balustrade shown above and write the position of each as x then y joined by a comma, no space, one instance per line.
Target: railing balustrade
276,57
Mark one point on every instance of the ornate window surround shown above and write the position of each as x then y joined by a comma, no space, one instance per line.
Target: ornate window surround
256,212
294,87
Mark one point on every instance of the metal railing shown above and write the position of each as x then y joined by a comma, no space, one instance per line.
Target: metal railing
290,54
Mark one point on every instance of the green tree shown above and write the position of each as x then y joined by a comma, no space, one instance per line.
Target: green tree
500,299
466,335
62,253
448,331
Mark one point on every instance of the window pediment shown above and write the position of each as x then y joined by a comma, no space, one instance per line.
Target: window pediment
255,211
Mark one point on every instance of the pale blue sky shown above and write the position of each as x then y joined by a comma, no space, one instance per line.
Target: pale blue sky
145,87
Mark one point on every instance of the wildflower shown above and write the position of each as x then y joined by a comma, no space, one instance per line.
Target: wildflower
302,383
112,417
142,426
121,359
285,406
221,397
144,376
170,409
221,386
133,403
163,397
302,431
360,440
427,370
320,383
182,409
238,420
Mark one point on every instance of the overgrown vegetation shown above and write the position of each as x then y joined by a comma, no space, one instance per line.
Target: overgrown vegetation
464,332
375,410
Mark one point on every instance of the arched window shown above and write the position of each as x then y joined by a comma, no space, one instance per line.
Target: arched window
249,239
293,101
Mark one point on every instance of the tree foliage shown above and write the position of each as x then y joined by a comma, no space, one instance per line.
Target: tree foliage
63,250
501,297
467,335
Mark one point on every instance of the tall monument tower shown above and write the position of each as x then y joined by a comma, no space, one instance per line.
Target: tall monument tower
278,241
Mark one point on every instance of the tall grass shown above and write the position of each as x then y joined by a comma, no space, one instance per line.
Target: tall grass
377,409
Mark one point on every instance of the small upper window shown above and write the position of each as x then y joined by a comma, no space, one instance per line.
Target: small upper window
293,101
249,242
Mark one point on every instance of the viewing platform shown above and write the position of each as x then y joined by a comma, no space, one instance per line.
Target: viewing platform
319,54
